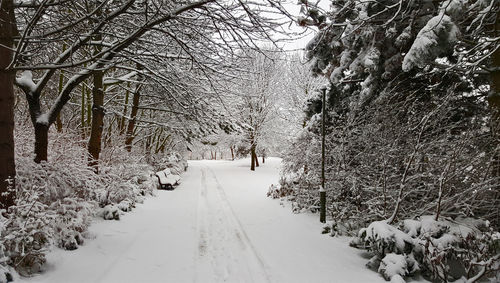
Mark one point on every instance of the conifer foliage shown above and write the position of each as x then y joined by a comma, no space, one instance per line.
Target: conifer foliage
411,128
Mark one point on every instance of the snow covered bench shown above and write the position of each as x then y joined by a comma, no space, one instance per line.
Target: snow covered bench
167,180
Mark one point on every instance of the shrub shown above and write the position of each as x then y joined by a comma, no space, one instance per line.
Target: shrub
57,200
446,250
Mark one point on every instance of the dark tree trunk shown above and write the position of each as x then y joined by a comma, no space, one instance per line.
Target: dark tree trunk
253,159
148,144
256,159
7,161
82,110
59,124
232,153
129,137
94,146
494,103
97,127
263,159
41,141
125,110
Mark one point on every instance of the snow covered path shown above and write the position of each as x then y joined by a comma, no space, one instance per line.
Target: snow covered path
217,226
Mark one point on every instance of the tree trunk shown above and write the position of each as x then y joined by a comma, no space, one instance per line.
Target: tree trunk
59,124
232,153
125,110
89,109
94,146
494,103
129,137
148,144
256,159
253,155
263,159
41,141
7,160
97,127
82,110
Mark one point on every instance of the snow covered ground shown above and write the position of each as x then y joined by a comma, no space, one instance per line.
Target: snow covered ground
217,226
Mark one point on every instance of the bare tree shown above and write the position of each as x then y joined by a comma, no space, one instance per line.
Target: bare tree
197,34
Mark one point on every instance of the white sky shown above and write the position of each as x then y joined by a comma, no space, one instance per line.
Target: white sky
304,35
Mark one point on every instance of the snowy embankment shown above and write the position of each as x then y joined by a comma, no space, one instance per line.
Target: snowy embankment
217,226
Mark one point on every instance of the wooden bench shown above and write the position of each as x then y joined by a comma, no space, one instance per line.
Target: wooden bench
167,180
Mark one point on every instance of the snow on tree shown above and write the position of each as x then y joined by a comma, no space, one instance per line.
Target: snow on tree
435,39
408,123
131,81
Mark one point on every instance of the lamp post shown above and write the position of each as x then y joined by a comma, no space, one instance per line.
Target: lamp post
322,189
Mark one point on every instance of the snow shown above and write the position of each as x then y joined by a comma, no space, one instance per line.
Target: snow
218,226
412,227
43,119
125,78
166,177
397,279
26,81
454,8
393,265
388,235
434,39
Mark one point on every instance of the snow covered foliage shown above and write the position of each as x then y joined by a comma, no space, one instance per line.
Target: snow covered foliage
445,250
265,100
174,162
435,39
420,139
367,155
408,129
57,200
393,265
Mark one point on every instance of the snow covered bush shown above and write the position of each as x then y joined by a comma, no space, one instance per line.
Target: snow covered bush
277,191
57,200
445,250
175,162
6,271
435,39
28,234
393,265
406,128
384,238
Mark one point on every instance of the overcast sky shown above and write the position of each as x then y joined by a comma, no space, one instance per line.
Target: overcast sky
304,35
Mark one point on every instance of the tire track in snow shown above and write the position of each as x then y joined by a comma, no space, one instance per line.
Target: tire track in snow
213,259
224,253
101,277
201,228
254,264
